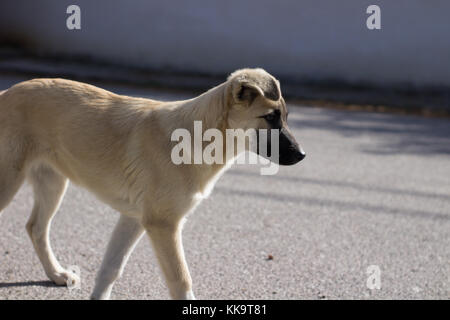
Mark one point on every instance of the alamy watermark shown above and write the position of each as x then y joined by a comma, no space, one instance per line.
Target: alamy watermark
374,279
73,22
240,146
373,22
74,282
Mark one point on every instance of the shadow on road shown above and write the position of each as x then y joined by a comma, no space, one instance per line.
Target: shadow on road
28,284
393,134
349,184
342,205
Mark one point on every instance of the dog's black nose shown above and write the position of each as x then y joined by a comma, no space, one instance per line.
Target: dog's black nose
291,156
300,155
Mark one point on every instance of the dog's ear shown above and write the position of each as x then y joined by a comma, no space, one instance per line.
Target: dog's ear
247,84
246,92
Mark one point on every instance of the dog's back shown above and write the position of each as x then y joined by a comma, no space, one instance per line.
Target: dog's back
66,125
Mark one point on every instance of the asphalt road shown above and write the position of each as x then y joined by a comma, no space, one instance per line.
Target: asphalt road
374,189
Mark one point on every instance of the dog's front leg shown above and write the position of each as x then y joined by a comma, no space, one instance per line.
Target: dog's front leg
125,236
166,240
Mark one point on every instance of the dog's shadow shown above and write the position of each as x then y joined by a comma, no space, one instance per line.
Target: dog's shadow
44,283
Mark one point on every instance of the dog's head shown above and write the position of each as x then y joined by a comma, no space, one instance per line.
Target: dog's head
256,103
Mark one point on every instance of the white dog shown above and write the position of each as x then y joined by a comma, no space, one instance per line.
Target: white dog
119,148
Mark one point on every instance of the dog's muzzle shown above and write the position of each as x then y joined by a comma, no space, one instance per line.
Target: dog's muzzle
289,152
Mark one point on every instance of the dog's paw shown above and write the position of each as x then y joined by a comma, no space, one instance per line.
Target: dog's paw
100,296
190,295
65,278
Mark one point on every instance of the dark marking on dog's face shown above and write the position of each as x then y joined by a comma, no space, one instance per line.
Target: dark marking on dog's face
258,104
289,150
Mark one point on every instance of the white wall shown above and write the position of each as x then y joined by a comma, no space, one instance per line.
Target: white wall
300,40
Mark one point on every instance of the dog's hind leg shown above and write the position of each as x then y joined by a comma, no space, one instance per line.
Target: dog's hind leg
11,173
125,236
10,182
49,187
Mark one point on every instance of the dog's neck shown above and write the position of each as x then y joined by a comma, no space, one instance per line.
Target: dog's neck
211,108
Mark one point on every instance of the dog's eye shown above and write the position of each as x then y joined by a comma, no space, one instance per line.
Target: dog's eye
272,116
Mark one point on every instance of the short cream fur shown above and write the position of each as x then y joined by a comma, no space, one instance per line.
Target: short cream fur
118,147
